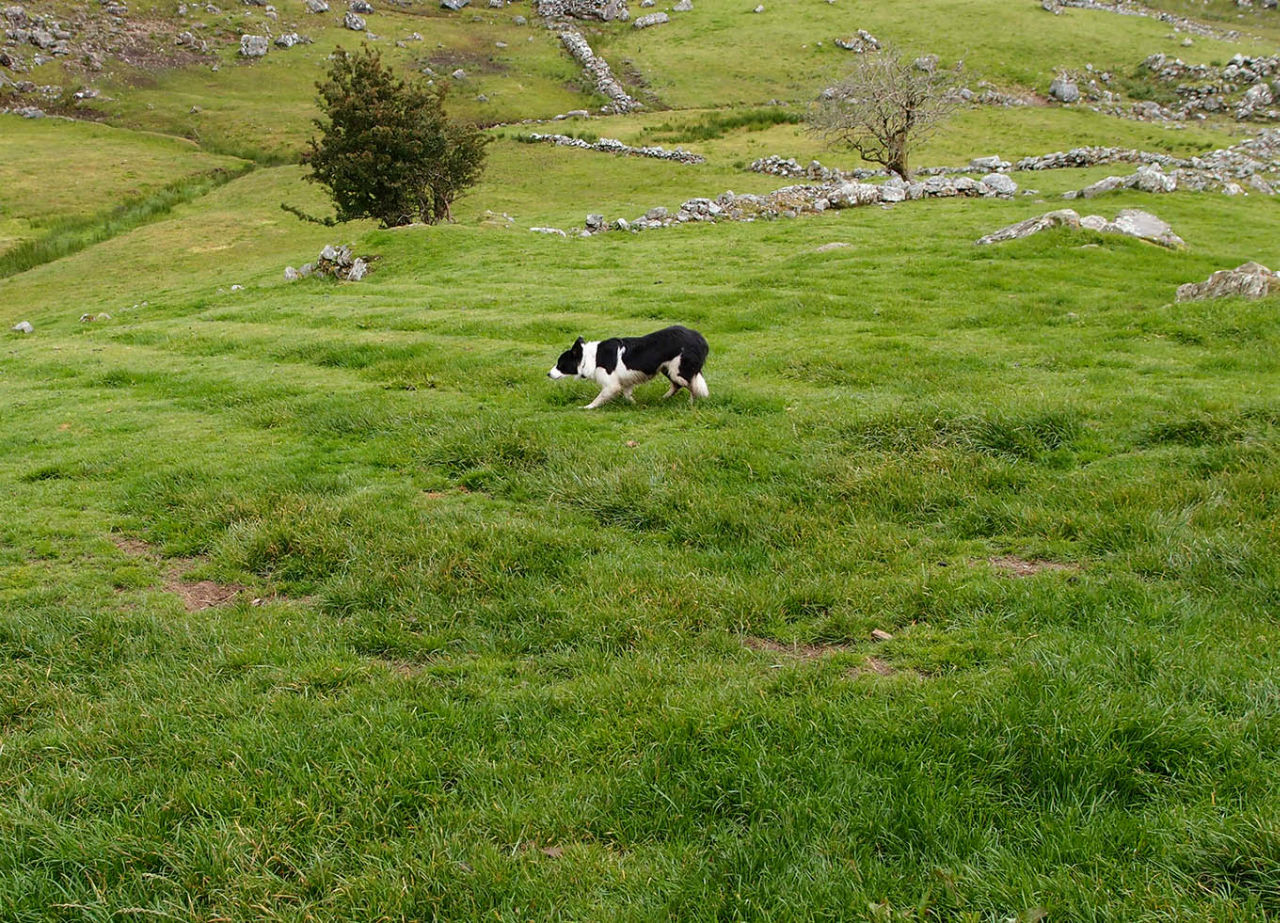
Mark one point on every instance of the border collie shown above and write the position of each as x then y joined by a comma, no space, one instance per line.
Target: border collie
617,365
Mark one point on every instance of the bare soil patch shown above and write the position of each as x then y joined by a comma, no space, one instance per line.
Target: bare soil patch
195,595
1014,566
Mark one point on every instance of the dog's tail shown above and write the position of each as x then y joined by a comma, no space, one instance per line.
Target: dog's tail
698,387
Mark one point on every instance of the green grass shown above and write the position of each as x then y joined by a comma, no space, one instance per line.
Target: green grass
500,658
493,627
41,187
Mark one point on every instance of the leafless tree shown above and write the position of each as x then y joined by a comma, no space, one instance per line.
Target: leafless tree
886,106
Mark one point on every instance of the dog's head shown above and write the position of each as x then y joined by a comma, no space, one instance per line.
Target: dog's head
567,365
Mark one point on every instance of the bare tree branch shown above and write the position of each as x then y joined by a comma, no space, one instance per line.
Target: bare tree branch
886,107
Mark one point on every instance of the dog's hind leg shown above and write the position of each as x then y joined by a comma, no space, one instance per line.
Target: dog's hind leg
605,396
670,391
626,392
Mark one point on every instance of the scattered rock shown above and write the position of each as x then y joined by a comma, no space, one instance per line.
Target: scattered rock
353,22
253,46
1064,89
289,39
1249,280
316,6
860,42
652,19
553,231
334,262
683,6
459,74
879,634
22,326
759,9
360,6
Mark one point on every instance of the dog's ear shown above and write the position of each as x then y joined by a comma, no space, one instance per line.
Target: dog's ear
579,342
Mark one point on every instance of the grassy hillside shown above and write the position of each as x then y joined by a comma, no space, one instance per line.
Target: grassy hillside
955,601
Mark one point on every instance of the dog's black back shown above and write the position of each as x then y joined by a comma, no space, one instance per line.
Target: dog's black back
647,353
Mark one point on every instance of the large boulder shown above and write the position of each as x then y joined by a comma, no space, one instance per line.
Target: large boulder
1064,89
253,46
1063,217
353,22
851,195
999,184
1250,280
1135,222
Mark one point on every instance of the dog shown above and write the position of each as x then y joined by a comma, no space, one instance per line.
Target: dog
619,364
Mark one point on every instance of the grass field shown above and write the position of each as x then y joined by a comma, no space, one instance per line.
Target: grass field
957,600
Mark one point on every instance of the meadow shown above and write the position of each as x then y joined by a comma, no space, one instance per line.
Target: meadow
957,600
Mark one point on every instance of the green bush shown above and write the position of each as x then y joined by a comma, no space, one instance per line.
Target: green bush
387,149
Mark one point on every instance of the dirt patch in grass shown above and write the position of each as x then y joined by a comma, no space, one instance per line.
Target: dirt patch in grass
203,594
798,651
195,595
1014,566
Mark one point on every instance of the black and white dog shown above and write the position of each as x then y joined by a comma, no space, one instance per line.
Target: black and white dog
619,364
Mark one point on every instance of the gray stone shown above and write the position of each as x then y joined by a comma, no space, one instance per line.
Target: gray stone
684,6
595,222
359,268
552,231
1250,280
520,20
454,5
622,224
989,163
22,326
1109,184
1150,178
360,6
999,184
253,46
289,39
316,6
1063,217
291,274
1135,222
851,195
657,213
834,245
759,9
459,74
652,19
1064,89
353,22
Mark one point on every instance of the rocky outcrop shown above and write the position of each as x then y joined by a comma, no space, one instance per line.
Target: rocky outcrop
1148,178
1250,280
353,22
333,262
598,69
612,146
1131,222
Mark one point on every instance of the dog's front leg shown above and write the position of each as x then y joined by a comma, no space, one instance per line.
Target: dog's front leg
608,393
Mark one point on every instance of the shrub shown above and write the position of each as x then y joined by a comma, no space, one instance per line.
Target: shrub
387,150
